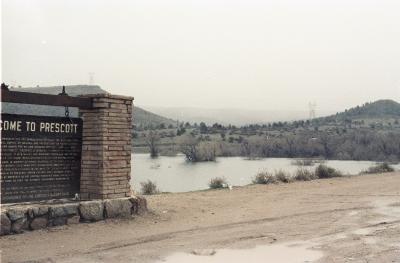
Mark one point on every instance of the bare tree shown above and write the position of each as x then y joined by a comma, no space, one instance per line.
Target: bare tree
324,140
152,140
198,151
290,143
246,148
188,146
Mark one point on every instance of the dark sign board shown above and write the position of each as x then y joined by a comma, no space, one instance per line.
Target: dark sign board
40,157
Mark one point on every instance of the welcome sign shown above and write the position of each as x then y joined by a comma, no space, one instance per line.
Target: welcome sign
41,157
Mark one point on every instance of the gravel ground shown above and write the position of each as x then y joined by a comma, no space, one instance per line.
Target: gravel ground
353,219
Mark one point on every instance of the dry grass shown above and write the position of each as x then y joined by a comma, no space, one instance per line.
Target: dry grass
149,188
283,176
379,168
323,172
217,183
265,177
304,175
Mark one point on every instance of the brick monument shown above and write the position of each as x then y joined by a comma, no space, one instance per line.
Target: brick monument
106,147
63,170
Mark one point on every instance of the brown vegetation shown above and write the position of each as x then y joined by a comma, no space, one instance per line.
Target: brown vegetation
217,183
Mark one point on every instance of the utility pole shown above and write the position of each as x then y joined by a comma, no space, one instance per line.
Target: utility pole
91,78
312,110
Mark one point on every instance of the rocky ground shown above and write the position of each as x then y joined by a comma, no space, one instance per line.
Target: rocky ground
335,220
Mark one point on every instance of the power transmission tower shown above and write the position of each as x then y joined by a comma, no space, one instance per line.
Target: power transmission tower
312,107
91,78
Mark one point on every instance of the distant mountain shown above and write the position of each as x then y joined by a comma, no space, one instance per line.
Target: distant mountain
141,117
239,117
381,109
234,116
73,90
144,118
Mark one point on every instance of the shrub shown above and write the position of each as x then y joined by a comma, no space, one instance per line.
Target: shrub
379,168
196,150
152,140
323,171
303,162
320,161
149,188
304,175
217,182
207,151
283,176
265,178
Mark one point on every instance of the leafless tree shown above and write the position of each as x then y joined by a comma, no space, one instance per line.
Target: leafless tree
198,151
152,141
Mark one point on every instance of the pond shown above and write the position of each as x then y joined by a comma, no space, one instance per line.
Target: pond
174,174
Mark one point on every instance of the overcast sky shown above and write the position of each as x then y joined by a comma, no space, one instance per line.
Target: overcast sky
209,53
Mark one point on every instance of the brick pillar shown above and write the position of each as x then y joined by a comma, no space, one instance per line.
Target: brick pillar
106,147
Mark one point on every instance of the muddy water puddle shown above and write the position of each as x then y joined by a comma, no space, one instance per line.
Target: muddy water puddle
277,253
388,209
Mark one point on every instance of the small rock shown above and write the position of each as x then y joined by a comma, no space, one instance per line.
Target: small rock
59,221
63,210
135,205
40,211
16,213
38,223
73,220
118,208
142,205
45,260
29,212
19,225
204,252
5,225
139,204
91,210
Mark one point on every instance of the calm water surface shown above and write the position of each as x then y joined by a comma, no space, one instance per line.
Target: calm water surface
174,174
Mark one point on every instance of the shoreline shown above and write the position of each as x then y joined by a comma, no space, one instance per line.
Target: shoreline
174,174
319,158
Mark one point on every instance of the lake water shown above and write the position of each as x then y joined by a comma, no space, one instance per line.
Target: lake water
174,174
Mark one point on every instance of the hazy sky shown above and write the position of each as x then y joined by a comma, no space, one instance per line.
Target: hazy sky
209,53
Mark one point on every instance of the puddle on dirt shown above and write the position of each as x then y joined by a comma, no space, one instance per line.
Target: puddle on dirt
278,253
353,213
340,236
368,231
363,231
390,210
370,241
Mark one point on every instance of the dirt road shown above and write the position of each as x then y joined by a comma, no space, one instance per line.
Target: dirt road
339,220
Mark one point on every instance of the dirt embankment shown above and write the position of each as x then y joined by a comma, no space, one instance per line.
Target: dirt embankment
346,219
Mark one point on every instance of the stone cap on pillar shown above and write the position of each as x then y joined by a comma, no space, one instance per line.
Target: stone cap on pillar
107,95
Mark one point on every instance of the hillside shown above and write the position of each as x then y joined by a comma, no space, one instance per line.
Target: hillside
377,109
141,117
144,118
367,132
226,116
73,90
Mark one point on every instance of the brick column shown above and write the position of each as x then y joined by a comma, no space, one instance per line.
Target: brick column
106,147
